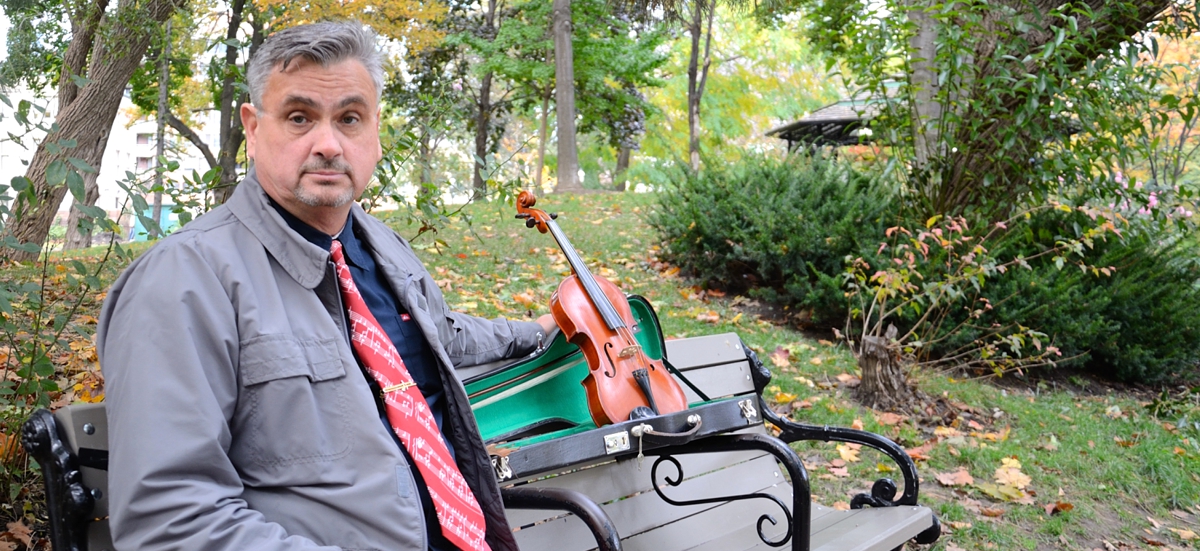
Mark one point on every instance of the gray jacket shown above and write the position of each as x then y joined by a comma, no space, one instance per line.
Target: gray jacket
238,417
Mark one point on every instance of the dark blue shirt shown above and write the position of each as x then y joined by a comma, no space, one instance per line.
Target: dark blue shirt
405,335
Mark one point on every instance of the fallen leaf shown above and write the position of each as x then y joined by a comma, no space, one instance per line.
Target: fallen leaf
22,533
1057,507
989,512
1113,412
1185,535
857,424
841,506
840,472
1156,524
957,478
1009,476
849,452
825,342
1153,541
921,453
816,360
784,398
959,525
974,425
839,462
710,316
889,418
946,432
884,468
780,357
848,380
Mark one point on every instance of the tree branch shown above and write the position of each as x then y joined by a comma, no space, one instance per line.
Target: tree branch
183,130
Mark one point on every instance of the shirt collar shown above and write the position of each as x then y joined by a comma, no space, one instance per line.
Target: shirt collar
352,246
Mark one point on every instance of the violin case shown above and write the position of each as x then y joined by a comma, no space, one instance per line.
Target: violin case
533,412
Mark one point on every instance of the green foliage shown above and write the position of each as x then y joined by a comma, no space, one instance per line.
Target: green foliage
760,78
989,94
144,82
1134,317
40,304
780,226
37,40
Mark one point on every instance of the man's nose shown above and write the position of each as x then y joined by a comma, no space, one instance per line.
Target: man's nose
325,141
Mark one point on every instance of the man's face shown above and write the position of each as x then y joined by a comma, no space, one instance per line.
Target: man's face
315,141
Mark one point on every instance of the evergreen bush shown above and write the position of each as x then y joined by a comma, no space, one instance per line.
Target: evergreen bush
1141,323
779,228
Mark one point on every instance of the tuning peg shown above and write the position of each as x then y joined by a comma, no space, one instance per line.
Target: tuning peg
529,222
554,216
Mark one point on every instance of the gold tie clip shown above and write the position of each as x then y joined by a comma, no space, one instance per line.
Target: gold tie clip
400,387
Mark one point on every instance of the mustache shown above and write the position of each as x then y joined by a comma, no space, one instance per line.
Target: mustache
325,165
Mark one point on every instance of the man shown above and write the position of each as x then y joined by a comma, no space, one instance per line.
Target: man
278,372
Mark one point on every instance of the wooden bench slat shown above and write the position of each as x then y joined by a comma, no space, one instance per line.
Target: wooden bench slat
871,529
696,352
720,381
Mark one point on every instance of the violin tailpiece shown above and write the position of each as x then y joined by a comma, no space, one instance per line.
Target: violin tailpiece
643,380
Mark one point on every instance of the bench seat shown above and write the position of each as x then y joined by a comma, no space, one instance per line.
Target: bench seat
722,499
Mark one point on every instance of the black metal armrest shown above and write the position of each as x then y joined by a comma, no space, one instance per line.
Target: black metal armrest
883,491
69,502
556,499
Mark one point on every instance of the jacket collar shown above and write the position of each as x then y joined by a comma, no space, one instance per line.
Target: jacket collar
303,261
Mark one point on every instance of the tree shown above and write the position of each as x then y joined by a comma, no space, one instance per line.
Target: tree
700,24
244,32
564,98
988,94
104,50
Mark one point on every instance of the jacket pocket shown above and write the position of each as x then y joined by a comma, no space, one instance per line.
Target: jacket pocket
293,403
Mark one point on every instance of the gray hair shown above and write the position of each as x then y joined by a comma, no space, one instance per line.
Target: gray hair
326,42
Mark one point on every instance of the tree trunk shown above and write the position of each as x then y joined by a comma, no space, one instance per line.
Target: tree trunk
622,166
564,99
81,237
884,385
483,123
164,83
231,135
483,118
541,158
697,74
923,78
89,117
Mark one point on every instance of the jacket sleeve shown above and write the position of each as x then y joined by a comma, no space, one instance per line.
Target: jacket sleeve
168,346
469,340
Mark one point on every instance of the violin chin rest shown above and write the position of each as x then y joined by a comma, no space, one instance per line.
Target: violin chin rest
641,412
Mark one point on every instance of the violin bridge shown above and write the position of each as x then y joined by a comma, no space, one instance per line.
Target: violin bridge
628,352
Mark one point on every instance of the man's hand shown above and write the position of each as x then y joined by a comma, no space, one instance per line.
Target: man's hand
547,323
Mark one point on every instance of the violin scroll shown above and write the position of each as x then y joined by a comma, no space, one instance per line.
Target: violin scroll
534,218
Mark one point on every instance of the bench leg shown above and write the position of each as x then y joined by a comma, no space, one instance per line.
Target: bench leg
801,496
559,499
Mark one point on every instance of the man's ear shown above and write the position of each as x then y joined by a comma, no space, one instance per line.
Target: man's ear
250,122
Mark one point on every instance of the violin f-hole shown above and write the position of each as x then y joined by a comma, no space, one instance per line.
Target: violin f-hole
612,362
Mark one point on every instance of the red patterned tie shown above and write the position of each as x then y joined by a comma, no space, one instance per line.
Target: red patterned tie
457,510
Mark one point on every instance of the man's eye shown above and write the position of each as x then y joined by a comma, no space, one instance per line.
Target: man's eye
350,119
298,119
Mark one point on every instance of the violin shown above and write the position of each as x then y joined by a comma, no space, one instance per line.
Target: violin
623,383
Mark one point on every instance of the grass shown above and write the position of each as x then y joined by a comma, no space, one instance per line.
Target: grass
1131,479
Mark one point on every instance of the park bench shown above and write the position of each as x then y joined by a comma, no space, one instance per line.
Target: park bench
711,477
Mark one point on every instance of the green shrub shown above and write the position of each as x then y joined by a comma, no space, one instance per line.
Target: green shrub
1139,324
780,228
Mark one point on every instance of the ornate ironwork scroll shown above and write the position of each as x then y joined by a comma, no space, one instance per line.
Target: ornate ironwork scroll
757,495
